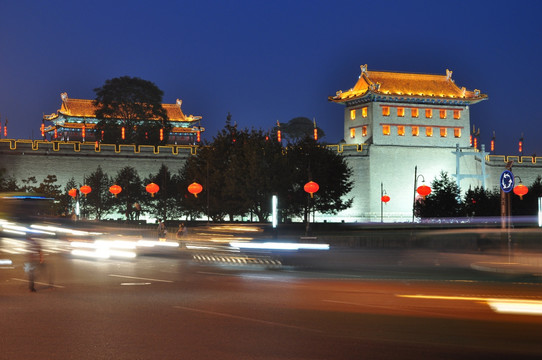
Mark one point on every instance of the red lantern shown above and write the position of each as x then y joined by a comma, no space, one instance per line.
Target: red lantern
311,187
85,189
423,190
385,198
521,190
115,190
152,188
73,193
195,188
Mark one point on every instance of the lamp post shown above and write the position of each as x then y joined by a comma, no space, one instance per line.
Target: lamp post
383,199
423,190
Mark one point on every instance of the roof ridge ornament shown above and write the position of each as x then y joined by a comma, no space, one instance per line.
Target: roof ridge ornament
64,96
364,69
449,74
179,102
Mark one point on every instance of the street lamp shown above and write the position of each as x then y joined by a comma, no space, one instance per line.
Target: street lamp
423,190
384,198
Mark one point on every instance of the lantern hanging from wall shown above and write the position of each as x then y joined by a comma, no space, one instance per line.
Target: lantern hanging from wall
521,190
152,188
85,189
195,188
115,189
73,193
385,198
423,190
311,187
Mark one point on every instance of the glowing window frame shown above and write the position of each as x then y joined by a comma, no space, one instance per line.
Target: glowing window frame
400,130
386,129
352,133
457,114
443,132
457,132
429,113
364,112
443,113
385,111
428,131
415,131
364,130
400,112
353,114
414,112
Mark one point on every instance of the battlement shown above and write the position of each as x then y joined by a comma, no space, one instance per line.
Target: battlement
76,147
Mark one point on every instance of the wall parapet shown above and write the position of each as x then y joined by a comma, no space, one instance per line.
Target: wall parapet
76,147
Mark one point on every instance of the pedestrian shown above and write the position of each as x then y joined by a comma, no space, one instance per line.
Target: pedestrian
35,259
182,231
162,231
137,208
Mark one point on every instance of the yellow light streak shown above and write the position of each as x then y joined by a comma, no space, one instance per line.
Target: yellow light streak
499,305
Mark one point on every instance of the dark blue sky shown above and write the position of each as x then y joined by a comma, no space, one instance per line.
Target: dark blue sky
272,60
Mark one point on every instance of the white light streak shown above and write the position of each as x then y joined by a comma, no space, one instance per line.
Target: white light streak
279,246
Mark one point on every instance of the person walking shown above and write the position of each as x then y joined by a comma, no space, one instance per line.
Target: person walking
35,259
162,231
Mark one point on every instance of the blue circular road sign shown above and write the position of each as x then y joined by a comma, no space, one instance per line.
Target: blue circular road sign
507,181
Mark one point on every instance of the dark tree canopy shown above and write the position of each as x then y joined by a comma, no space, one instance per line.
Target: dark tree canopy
298,129
134,104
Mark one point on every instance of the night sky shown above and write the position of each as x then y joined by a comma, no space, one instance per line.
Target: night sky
273,60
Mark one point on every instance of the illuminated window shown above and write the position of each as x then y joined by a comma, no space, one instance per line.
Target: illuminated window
429,131
429,113
414,112
400,130
400,111
385,110
457,114
364,131
415,131
364,112
352,133
385,129
457,132
443,132
353,114
443,114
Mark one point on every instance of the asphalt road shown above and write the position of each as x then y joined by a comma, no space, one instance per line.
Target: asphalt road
420,306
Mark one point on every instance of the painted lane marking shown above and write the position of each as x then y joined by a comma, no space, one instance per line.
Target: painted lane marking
39,283
139,278
231,316
134,284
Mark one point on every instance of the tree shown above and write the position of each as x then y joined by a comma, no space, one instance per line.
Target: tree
7,183
480,202
132,190
163,204
50,189
444,200
135,105
99,200
308,161
66,202
298,129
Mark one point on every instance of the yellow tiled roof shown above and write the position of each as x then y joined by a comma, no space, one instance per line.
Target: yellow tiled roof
407,85
86,108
